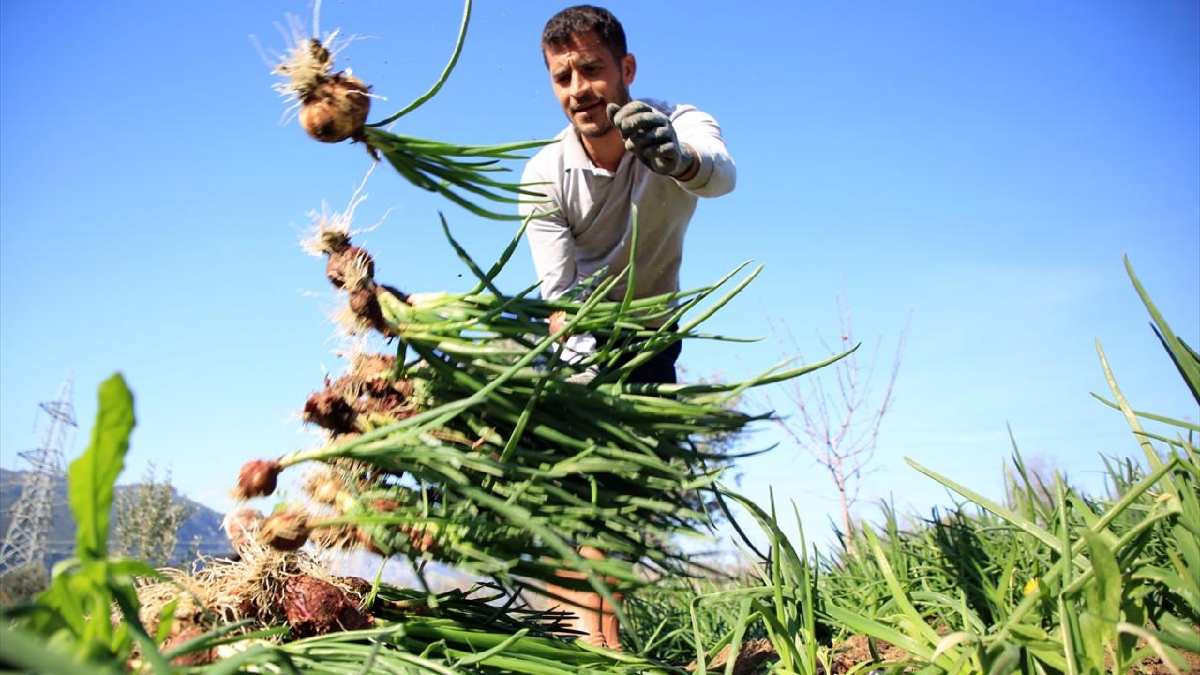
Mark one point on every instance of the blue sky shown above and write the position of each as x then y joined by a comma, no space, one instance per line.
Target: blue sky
980,166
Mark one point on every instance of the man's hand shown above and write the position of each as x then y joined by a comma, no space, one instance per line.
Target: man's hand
649,135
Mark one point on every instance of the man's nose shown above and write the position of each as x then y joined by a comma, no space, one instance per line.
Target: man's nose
581,87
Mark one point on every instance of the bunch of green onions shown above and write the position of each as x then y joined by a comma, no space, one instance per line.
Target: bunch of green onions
478,452
480,630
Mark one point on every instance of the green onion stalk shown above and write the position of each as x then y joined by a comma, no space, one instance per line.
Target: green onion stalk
333,107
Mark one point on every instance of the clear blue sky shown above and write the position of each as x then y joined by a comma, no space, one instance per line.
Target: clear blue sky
982,165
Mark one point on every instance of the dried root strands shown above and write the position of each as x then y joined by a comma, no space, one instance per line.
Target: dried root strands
323,487
267,586
366,367
241,527
330,232
257,478
308,63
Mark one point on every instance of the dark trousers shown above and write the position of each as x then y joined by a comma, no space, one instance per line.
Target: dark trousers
658,370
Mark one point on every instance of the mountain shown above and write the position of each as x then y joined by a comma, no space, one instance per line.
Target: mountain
201,531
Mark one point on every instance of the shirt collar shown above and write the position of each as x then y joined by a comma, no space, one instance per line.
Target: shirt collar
575,157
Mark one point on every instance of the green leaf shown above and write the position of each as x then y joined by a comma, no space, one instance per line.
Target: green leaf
31,652
1104,594
91,477
1151,416
1008,661
1185,359
1091,637
1178,633
420,100
868,626
166,617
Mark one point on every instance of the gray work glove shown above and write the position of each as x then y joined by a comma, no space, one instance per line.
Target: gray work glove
649,135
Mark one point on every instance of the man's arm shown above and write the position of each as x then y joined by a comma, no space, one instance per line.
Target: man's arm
549,235
715,173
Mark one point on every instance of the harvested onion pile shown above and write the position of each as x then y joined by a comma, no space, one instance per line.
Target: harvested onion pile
282,612
480,453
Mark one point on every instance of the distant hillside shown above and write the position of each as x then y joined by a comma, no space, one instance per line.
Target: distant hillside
202,529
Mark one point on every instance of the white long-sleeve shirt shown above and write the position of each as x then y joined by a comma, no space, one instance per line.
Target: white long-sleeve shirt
591,227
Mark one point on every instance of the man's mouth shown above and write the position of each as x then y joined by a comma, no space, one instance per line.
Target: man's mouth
587,107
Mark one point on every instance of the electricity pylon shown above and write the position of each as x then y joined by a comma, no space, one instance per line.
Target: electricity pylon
28,534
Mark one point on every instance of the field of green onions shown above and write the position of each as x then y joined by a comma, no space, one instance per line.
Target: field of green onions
1049,580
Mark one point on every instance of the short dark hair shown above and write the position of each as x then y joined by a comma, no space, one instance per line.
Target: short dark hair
582,19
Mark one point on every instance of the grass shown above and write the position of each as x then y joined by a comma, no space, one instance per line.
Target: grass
1049,580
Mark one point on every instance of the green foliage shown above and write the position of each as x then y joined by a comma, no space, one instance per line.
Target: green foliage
74,615
92,477
662,615
1049,581
147,518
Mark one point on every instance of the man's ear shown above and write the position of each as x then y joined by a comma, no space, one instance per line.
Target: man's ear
628,69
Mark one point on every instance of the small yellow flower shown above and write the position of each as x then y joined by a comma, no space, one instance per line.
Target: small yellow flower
1031,586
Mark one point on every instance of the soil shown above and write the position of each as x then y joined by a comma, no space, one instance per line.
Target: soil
856,650
752,658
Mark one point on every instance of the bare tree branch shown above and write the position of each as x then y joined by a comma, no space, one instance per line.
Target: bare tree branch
837,414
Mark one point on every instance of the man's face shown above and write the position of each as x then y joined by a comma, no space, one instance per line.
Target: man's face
585,78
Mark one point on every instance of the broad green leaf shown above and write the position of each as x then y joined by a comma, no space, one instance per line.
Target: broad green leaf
1092,635
91,477
1104,593
67,607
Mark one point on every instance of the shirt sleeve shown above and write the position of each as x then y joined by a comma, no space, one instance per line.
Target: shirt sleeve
717,174
550,239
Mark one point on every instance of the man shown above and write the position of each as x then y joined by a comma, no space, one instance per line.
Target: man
615,153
